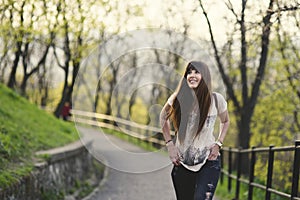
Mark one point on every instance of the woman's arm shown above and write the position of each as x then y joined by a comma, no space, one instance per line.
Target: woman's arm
224,124
166,129
224,118
165,122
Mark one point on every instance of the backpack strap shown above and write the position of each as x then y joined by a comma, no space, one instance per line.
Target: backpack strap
216,101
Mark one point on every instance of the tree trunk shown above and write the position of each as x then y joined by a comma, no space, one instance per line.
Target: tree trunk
64,98
18,38
243,139
12,77
24,84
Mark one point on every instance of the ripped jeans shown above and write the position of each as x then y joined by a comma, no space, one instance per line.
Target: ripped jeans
199,185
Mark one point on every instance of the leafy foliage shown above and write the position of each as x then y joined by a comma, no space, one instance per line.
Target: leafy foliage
274,123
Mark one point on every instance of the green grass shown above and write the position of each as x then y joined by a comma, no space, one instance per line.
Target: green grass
25,129
258,194
222,191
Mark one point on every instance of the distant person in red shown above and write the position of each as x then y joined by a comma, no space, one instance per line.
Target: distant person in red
65,112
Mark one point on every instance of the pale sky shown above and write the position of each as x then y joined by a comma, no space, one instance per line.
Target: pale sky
173,14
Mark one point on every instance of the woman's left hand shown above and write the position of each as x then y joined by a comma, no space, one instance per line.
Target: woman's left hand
214,152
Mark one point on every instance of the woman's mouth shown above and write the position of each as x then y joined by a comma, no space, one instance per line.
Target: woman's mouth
193,80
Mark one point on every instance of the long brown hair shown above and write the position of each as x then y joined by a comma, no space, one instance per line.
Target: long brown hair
187,97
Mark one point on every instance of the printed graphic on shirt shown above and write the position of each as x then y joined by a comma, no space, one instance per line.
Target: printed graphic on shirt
194,156
194,153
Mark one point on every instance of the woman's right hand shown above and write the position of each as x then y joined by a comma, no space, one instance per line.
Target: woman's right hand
173,153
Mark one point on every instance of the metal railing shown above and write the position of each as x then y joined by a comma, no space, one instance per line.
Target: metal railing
227,159
230,156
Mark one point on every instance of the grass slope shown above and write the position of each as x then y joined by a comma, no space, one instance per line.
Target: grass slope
25,129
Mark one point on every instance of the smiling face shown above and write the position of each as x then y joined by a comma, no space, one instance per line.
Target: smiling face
193,78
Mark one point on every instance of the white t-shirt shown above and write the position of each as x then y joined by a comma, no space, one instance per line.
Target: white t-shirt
195,151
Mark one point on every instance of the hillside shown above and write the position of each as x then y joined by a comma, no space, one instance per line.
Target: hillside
25,129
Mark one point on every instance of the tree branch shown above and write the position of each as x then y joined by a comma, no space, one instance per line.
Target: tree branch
56,57
266,30
285,8
225,78
243,62
230,7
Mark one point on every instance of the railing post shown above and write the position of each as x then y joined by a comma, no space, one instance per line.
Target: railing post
251,175
239,160
270,172
229,168
222,164
295,179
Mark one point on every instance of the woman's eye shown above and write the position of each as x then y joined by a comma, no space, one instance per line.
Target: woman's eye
191,71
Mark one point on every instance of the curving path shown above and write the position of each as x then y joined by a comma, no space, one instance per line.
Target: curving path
131,172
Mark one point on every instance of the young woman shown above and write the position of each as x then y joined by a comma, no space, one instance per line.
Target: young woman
193,110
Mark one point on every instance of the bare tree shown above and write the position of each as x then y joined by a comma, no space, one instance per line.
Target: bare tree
72,47
18,38
6,45
31,47
36,46
250,78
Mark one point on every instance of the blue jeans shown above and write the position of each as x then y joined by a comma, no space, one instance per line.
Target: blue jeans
200,185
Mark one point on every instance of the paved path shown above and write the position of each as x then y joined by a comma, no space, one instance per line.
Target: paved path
131,173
